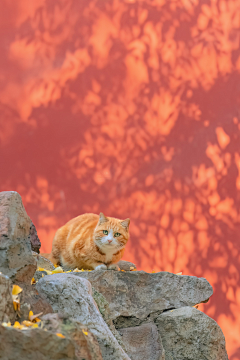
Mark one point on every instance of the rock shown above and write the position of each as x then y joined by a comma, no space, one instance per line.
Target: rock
34,344
16,260
72,296
188,333
30,299
86,345
34,239
104,309
42,262
143,342
6,304
126,265
139,294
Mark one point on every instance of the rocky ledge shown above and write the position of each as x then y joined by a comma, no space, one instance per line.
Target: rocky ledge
95,315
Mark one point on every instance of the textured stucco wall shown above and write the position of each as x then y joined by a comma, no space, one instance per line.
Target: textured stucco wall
131,108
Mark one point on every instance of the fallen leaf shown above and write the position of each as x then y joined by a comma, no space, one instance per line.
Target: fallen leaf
58,270
47,271
33,281
34,318
60,335
153,272
132,268
27,323
85,332
6,324
17,325
180,273
16,290
16,305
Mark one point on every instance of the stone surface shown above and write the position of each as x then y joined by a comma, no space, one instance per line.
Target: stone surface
16,260
86,345
34,344
126,265
189,334
30,299
72,296
143,342
6,304
138,294
34,239
42,262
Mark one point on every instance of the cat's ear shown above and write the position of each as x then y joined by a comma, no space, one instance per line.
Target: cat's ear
125,223
102,219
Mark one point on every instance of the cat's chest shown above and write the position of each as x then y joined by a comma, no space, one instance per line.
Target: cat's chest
109,255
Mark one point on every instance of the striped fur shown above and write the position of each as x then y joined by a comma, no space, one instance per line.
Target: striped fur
90,241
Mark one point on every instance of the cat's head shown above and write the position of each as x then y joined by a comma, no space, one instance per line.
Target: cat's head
111,233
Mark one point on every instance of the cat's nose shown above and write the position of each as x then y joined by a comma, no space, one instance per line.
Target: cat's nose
109,241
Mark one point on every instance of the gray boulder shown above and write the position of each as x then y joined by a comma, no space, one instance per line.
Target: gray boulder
138,294
34,239
86,345
6,304
36,344
143,342
16,260
42,262
72,296
189,334
126,265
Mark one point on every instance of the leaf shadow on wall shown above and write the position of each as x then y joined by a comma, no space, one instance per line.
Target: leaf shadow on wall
131,109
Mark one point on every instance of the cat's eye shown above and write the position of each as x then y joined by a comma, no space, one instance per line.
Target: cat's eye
117,234
105,232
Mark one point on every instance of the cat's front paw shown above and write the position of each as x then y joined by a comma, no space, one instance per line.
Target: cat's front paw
101,267
113,267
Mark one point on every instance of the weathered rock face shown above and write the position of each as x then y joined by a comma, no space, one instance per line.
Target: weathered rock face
86,345
16,260
139,294
143,342
126,265
34,239
30,299
42,262
71,296
34,344
6,304
187,333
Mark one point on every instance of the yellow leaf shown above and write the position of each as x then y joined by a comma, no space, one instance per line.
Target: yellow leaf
35,326
180,273
16,305
60,335
30,314
33,281
132,268
34,318
6,324
17,325
85,332
27,323
16,290
47,271
55,265
58,270
153,271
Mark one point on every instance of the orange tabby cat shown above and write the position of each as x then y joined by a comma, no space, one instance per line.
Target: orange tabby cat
90,241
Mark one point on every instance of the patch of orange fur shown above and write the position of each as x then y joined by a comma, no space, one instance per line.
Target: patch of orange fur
74,246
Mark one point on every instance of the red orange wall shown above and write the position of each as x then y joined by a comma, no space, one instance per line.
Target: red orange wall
131,108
